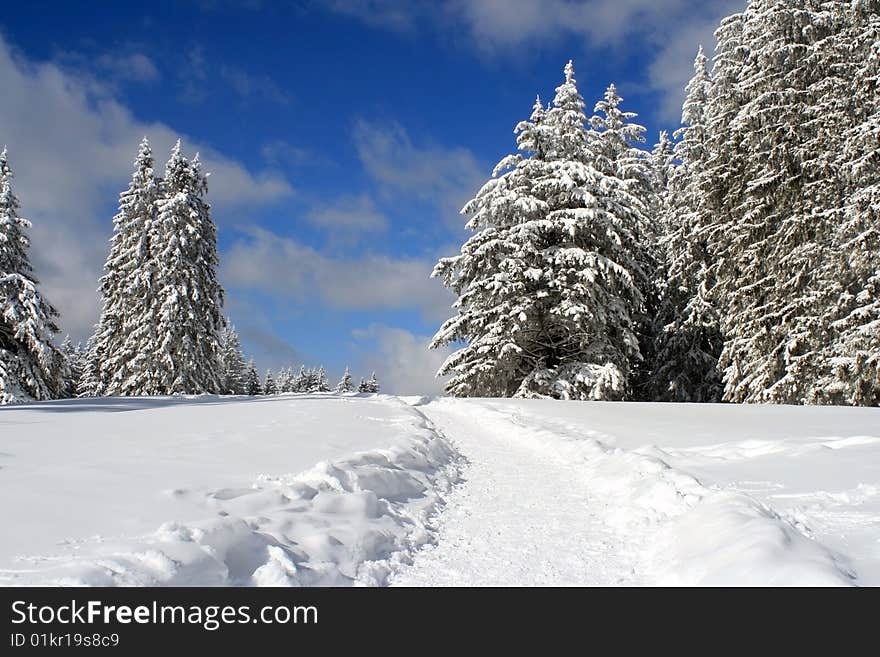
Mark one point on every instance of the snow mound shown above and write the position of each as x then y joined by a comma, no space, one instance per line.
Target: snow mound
348,521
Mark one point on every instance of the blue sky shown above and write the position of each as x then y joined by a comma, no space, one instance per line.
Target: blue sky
342,136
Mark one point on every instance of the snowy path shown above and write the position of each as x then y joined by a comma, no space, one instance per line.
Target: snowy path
524,516
556,494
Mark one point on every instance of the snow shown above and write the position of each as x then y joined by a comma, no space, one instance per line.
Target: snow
215,491
375,490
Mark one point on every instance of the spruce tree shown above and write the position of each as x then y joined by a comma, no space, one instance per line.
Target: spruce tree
252,380
234,368
848,114
345,384
372,384
188,298
75,357
321,384
269,387
284,383
31,366
118,353
688,344
549,297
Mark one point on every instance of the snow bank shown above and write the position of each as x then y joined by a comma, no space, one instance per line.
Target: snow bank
347,520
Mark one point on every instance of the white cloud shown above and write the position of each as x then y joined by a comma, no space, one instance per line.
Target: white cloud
446,177
253,87
389,14
71,145
285,268
134,66
348,217
672,68
672,28
402,360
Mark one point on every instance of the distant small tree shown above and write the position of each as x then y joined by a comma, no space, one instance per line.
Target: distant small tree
269,387
234,368
345,384
285,380
321,384
75,364
371,385
252,380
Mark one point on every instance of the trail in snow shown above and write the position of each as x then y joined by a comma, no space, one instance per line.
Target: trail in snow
523,516
544,500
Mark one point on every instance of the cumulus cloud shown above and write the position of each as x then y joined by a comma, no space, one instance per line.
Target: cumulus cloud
285,268
672,28
253,87
349,217
135,66
402,358
71,144
446,177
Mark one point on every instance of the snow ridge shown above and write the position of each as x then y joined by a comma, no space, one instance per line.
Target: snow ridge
698,535
346,522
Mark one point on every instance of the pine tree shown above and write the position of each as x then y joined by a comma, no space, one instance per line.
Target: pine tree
252,380
234,368
688,344
549,286
848,116
321,384
771,197
31,366
362,386
662,164
188,297
285,380
120,361
300,382
75,357
614,150
89,384
269,387
372,384
345,385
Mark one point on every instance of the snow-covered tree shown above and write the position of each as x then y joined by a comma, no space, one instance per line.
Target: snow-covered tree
269,387
615,151
188,297
300,382
371,385
31,366
89,384
849,115
345,384
75,357
688,343
126,327
285,380
550,288
662,163
234,367
321,384
252,384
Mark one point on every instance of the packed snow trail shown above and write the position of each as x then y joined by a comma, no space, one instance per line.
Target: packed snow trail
543,500
523,517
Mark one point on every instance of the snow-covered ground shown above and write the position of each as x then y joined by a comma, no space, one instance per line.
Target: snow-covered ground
312,490
322,489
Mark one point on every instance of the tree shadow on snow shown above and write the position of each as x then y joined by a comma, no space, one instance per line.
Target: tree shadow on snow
123,404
